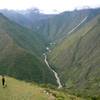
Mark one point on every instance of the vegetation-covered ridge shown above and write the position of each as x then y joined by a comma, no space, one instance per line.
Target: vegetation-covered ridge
77,59
20,53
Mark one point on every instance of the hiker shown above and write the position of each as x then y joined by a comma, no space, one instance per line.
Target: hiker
3,81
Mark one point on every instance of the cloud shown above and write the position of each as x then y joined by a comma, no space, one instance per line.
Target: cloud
48,5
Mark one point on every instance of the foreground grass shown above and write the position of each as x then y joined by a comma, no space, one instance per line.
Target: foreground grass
20,90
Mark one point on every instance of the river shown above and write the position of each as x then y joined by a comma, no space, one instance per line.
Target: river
55,73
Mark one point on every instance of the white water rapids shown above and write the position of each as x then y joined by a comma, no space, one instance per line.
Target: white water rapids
55,73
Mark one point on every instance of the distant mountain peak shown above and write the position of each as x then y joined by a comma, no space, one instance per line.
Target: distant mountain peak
1,14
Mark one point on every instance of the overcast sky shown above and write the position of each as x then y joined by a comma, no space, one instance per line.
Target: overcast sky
48,6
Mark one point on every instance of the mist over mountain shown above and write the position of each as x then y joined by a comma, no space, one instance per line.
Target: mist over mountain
25,17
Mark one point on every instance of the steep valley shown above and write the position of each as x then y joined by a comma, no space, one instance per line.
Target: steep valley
77,59
70,42
20,53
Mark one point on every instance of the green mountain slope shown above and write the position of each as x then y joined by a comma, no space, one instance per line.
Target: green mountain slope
24,37
17,17
77,59
20,53
59,26
20,90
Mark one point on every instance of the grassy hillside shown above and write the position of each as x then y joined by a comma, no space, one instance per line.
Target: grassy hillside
26,38
57,27
19,90
20,53
77,59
